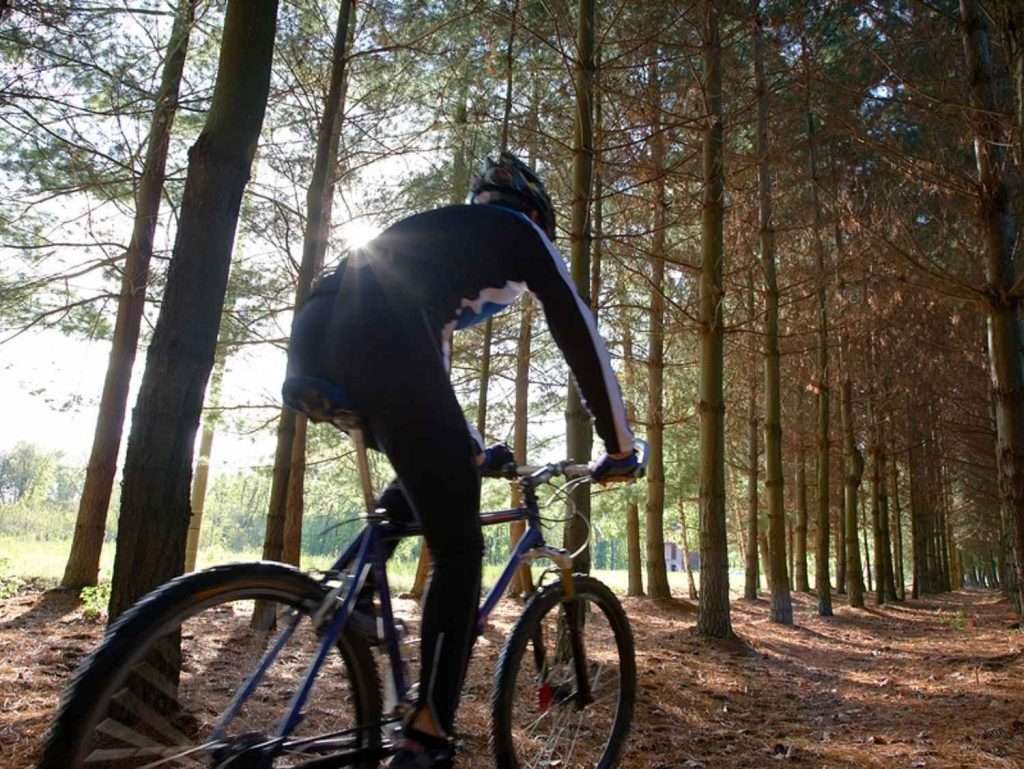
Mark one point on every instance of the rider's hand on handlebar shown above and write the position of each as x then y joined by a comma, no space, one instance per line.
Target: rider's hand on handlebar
608,468
495,458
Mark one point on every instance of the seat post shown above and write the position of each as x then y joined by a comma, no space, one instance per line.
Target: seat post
363,464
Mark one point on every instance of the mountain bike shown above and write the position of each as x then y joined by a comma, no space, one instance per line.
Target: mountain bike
260,665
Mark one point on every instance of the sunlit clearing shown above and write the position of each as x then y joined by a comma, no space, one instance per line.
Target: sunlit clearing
358,232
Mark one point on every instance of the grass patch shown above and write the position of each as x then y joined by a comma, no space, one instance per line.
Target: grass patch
24,560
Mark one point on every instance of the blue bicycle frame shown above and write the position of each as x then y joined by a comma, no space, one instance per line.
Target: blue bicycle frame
366,555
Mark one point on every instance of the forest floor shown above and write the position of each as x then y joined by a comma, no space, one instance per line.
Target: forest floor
928,684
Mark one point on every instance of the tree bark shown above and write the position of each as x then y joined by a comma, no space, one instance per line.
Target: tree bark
634,563
751,573
802,583
999,229
285,513
202,471
657,575
155,511
897,521
686,551
485,352
522,584
867,549
854,473
579,433
83,564
782,602
821,576
713,618
840,528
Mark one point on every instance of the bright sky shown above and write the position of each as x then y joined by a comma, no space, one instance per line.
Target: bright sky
50,386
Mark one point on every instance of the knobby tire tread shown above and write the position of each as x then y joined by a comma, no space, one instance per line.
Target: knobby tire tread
515,651
97,676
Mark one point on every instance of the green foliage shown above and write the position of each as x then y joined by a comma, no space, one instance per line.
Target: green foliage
95,601
10,584
38,493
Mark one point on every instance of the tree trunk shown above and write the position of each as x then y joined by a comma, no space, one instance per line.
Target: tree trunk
713,618
155,512
752,576
522,584
839,524
897,520
202,471
821,576
995,215
294,507
290,457
657,575
686,551
801,546
790,537
782,602
854,473
579,433
867,550
485,352
634,564
83,564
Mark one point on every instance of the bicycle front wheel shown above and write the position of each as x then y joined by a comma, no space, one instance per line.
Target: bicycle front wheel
540,718
157,691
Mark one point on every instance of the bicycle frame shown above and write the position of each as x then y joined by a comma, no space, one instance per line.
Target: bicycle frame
365,556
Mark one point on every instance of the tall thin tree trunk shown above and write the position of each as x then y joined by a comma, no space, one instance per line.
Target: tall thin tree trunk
840,528
633,563
867,548
202,471
657,575
522,584
996,217
782,602
897,521
153,524
790,552
713,617
821,576
485,353
802,583
290,458
83,564
579,433
854,473
686,550
752,576
294,507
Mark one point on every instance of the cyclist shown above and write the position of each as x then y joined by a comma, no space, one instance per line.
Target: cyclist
378,327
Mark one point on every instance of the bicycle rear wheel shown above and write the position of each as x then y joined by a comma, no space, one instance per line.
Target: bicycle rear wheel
156,690
537,719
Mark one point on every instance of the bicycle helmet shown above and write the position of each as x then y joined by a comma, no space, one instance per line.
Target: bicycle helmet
510,181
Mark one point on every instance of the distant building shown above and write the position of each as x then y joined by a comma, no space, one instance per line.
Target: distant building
674,558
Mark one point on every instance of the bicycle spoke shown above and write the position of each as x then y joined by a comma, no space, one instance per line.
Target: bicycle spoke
540,718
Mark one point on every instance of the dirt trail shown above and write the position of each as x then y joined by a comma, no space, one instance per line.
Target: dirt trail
930,684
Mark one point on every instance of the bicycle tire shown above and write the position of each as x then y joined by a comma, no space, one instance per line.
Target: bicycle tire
508,738
142,628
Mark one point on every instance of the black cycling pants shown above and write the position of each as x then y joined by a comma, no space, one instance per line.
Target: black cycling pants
387,357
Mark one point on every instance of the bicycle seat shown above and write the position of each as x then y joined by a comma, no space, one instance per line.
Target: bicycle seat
321,400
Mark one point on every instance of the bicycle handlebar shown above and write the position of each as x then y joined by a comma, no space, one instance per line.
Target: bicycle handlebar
540,474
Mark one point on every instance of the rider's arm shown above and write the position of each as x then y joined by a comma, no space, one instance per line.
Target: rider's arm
572,325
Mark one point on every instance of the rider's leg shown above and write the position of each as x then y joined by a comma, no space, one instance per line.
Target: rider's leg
393,369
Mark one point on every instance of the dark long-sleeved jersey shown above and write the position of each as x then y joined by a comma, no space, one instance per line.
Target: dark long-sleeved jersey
461,264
